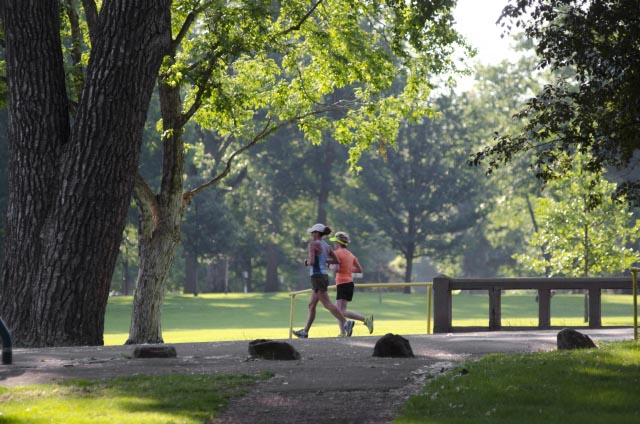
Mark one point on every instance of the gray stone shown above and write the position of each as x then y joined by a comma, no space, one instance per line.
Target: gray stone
270,349
569,338
393,346
154,351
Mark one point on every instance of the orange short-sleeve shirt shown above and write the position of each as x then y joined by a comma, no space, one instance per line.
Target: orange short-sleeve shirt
347,261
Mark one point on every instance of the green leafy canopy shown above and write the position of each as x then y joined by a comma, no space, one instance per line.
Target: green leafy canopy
595,108
349,67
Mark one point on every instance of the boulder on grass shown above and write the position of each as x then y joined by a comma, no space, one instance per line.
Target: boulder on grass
393,346
154,351
270,349
569,338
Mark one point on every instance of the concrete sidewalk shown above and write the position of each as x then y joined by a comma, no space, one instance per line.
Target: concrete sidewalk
331,370
50,364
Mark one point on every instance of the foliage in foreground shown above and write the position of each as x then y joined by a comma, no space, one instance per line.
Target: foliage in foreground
158,399
581,386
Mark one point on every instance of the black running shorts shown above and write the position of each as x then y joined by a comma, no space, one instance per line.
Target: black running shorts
345,291
319,282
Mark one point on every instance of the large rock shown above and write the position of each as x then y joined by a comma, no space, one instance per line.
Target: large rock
569,338
393,346
270,349
154,351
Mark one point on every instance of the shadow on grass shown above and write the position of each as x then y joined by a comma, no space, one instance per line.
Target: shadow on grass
173,398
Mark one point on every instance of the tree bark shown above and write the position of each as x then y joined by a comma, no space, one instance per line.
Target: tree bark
32,37
70,189
159,233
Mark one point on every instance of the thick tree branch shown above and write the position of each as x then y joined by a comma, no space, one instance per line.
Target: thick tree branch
184,30
91,14
267,130
148,205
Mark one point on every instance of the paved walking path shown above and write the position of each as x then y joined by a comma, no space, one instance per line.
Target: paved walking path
338,375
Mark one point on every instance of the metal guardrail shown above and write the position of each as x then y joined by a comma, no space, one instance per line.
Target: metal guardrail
428,285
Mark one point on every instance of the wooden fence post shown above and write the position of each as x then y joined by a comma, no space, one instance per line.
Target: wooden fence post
442,307
495,308
544,308
595,312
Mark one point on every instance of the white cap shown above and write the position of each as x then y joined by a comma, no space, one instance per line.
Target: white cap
317,227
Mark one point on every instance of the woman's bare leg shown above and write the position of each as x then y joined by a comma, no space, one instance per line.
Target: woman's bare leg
311,314
342,305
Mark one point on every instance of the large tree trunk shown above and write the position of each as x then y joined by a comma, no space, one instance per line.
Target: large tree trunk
157,250
34,143
159,232
70,191
217,278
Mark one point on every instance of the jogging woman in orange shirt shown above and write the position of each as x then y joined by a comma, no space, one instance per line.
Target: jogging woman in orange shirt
344,278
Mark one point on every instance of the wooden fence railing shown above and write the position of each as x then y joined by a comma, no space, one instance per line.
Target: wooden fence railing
443,286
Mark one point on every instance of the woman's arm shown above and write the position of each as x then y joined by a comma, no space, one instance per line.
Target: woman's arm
311,257
356,266
333,259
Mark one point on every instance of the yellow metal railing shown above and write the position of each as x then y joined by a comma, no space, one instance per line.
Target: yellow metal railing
634,271
429,286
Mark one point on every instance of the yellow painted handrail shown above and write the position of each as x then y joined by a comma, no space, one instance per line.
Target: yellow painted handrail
634,271
368,285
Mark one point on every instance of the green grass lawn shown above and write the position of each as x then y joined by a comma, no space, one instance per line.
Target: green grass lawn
568,387
185,399
237,316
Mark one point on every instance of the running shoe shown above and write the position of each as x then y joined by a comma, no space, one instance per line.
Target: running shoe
343,334
348,327
368,321
301,333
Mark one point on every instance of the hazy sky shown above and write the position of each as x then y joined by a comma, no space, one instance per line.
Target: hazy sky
476,19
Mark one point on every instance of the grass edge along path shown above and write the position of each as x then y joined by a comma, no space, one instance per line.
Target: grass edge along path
578,386
132,400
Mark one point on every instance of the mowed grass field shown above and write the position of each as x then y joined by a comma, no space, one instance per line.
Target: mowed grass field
238,316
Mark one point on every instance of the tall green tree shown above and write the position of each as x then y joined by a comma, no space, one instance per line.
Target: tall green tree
260,67
578,238
511,190
596,109
421,194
